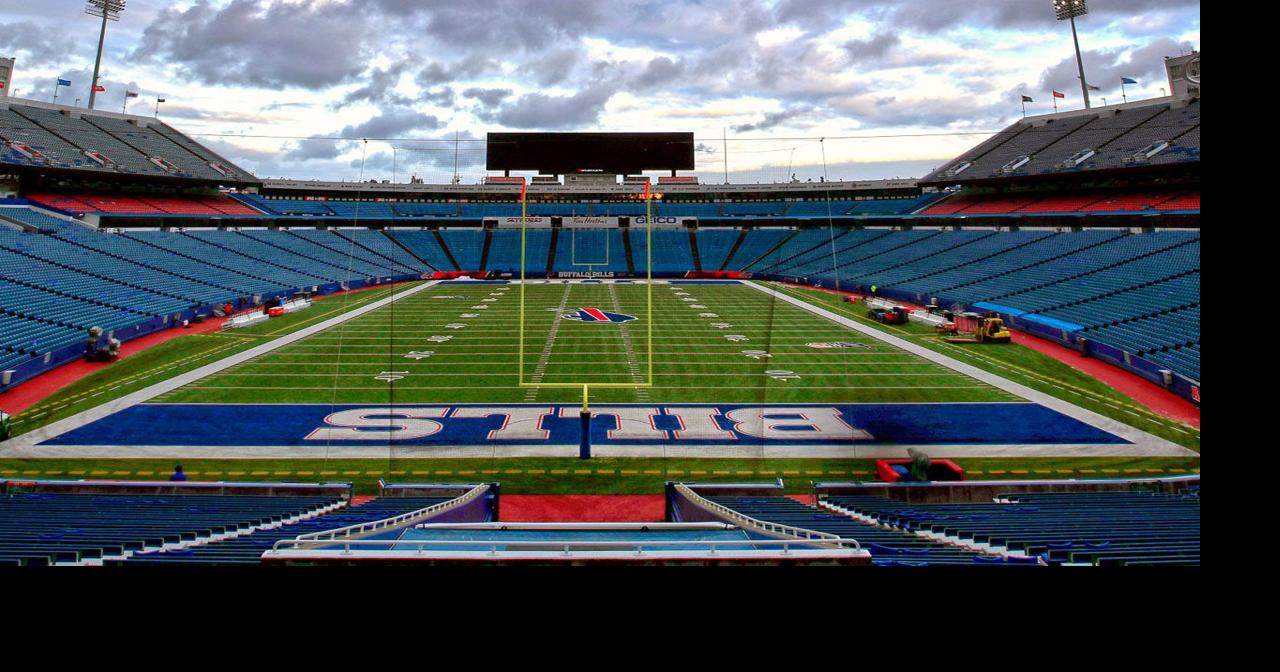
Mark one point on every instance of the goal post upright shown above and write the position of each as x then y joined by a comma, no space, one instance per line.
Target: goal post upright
524,214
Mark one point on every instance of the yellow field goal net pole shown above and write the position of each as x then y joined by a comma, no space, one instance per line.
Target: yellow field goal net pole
585,447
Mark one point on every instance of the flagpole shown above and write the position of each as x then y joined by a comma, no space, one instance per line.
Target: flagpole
1024,108
1122,92
55,90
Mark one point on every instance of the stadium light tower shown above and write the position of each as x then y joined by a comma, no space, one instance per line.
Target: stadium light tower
109,10
1068,10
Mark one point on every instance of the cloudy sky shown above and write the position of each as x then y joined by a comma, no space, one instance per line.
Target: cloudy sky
287,88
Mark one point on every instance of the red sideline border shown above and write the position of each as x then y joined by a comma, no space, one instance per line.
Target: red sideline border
37,389
1151,396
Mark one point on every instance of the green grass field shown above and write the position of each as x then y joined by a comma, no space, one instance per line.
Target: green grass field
693,362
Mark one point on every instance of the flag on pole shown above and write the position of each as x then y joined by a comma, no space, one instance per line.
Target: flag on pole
1027,99
64,82
99,88
130,94
1127,80
159,100
1094,88
1059,94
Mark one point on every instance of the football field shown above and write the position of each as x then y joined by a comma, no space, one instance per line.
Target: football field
458,343
693,369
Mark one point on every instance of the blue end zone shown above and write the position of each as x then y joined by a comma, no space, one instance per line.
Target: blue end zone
318,426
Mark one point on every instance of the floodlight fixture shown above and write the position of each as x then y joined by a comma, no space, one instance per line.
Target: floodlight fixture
1068,10
107,10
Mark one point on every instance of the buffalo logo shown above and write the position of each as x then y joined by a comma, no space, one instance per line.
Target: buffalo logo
597,315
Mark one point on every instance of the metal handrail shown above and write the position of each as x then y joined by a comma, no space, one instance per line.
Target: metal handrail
384,523
347,545
773,528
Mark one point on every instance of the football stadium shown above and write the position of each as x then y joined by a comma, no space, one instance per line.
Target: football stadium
589,342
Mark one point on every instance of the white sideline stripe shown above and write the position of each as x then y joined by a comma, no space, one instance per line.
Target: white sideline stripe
747,451
1144,443
21,446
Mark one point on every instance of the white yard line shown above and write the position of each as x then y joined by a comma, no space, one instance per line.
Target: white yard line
1144,443
20,445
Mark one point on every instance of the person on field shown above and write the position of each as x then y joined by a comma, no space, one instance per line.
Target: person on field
178,474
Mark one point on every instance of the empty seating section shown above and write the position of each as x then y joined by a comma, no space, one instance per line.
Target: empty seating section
282,246
714,246
965,284
1077,528
247,549
974,204
85,135
153,145
1171,338
1138,270
425,246
269,277
591,250
302,269
756,243
966,253
53,150
888,547
62,137
821,259
1118,139
671,251
764,249
893,266
467,246
1093,136
379,243
504,251
139,204
44,529
1029,142
330,244
193,270
1171,126
200,151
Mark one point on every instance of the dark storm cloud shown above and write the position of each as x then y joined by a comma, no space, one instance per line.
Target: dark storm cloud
392,123
379,87
1104,68
873,49
487,97
937,15
34,45
539,110
776,119
249,42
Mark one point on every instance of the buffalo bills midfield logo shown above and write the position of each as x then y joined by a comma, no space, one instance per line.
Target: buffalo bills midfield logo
597,315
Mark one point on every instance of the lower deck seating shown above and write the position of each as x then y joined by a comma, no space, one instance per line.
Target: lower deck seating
44,529
1089,528
1008,204
143,204
888,547
248,548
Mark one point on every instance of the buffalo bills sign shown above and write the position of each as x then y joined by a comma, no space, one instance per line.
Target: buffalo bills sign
596,315
322,427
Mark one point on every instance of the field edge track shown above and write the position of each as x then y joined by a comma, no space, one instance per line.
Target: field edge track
1147,444
21,446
